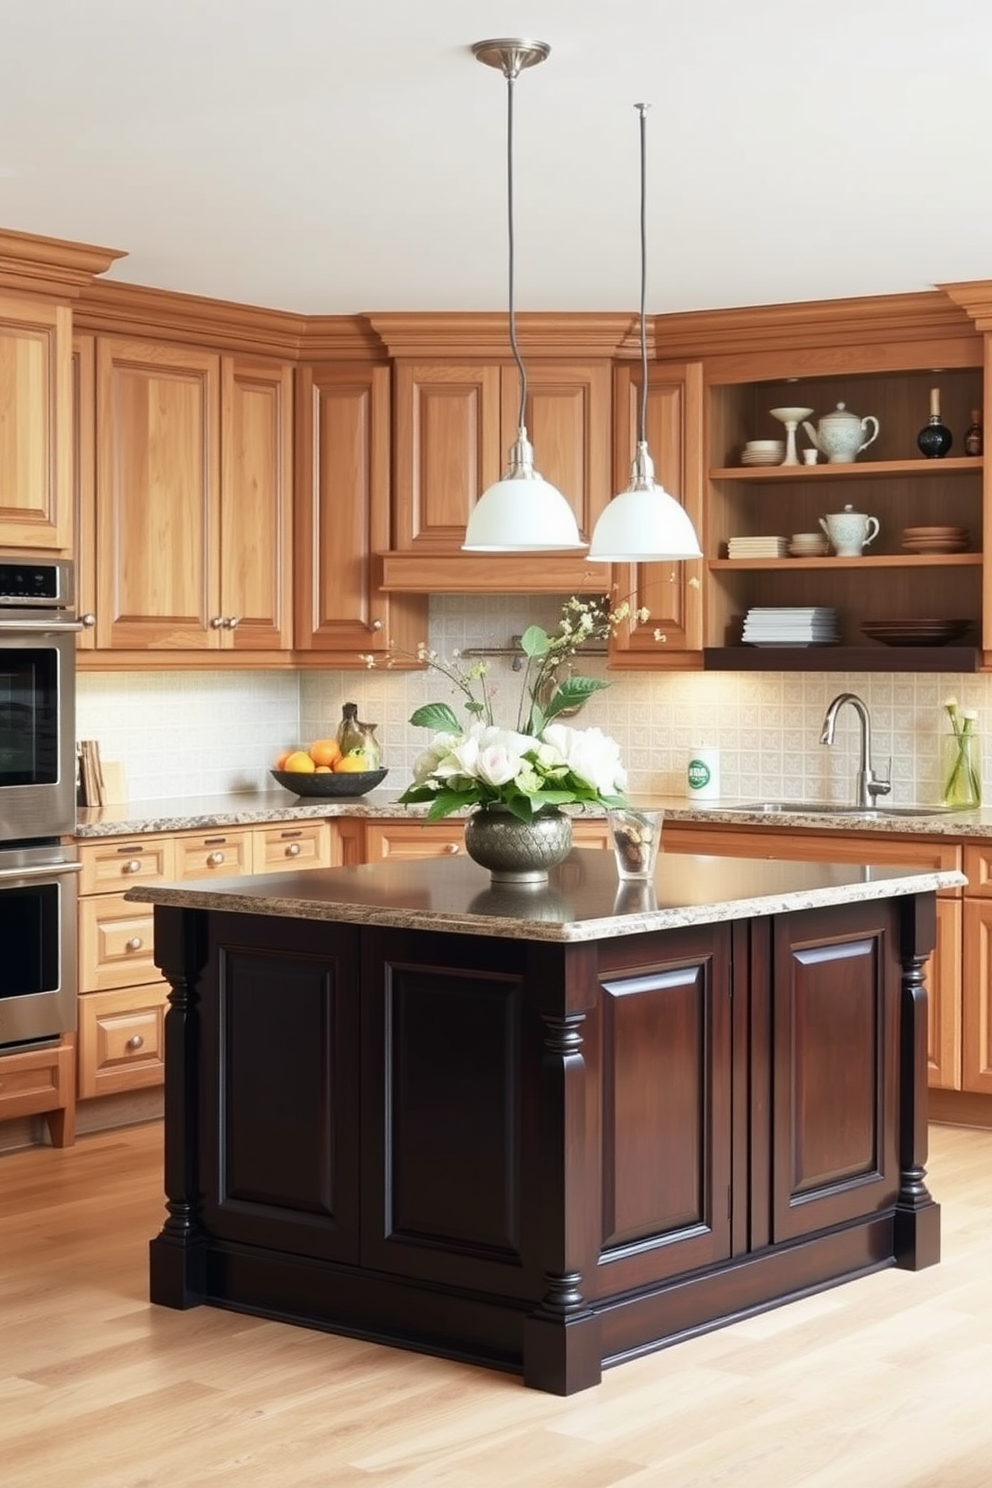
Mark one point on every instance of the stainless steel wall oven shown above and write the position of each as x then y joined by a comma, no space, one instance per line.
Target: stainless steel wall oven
37,801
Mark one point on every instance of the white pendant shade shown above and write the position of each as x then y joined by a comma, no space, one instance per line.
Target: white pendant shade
643,525
521,515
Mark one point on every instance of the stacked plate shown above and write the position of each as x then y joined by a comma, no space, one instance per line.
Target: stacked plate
802,625
757,547
763,452
937,539
808,545
902,632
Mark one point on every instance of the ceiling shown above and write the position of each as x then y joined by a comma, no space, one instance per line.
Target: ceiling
334,156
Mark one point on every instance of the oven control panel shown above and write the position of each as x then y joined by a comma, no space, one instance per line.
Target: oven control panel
45,583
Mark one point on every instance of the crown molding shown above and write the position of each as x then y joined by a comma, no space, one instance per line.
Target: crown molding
50,266
487,334
340,338
975,298
930,315
113,308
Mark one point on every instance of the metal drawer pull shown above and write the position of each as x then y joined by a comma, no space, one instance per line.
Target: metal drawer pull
451,847
135,943
293,850
135,1042
133,865
217,622
215,859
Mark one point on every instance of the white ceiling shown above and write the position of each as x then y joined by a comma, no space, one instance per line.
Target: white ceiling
335,156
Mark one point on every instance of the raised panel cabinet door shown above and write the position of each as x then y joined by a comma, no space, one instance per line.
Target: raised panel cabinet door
343,519
158,474
35,425
671,592
121,1041
976,1049
447,451
944,979
84,484
256,486
568,416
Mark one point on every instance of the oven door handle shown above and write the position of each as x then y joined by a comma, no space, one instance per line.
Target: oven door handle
31,626
40,870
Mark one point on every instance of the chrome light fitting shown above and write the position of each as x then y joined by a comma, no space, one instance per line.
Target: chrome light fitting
643,524
522,513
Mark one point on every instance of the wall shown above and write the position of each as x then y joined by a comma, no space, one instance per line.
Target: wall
197,733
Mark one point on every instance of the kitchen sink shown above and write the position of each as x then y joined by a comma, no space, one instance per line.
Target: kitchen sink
827,808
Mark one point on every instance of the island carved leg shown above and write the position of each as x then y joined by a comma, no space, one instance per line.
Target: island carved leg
177,1255
562,1343
917,1217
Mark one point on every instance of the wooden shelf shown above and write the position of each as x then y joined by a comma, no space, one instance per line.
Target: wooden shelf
841,658
881,560
870,470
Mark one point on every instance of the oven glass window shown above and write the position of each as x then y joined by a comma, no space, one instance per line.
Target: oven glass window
29,935
29,716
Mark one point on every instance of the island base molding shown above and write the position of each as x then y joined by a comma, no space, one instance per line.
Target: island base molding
541,1157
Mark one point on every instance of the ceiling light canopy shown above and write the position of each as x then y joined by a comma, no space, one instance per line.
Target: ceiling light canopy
522,513
643,524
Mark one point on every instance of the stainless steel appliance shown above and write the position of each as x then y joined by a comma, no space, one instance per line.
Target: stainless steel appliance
37,801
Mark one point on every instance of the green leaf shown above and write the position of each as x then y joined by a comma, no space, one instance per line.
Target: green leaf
438,717
445,802
572,693
534,641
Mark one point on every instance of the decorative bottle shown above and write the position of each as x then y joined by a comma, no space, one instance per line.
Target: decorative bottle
973,444
349,734
935,438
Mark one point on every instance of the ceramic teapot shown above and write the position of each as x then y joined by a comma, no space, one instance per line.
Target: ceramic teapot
841,436
849,531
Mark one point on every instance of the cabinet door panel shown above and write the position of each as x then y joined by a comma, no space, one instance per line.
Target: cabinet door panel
256,490
568,421
447,450
122,1040
35,425
413,839
671,592
157,496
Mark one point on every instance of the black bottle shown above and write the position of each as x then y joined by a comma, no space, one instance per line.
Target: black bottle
935,438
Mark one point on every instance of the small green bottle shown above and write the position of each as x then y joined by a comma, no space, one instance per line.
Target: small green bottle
349,734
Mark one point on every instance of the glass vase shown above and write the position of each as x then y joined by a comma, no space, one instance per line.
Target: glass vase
961,770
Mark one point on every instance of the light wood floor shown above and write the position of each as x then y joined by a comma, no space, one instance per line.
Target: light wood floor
883,1383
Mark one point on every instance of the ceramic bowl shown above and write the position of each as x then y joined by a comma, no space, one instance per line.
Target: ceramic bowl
357,783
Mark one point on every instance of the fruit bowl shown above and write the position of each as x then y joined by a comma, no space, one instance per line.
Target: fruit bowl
341,783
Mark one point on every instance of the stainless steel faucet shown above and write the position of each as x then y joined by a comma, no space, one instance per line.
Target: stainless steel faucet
868,786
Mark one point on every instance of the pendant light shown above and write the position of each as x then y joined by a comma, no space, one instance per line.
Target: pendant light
522,513
643,524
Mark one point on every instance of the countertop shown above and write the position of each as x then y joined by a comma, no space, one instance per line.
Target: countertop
582,900
251,809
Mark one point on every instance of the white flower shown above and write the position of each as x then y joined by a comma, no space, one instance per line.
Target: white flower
589,754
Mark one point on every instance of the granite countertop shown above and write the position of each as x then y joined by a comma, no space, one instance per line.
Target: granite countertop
255,809
582,900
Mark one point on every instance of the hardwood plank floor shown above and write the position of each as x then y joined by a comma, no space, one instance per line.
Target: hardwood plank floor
883,1383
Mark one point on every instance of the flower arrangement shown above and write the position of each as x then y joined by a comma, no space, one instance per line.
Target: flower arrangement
539,763
962,784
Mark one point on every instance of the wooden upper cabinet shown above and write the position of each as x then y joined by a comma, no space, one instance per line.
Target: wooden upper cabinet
672,635
84,484
342,519
193,492
35,425
454,425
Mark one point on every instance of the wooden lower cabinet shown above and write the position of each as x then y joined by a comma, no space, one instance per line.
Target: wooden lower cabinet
41,1082
121,1039
976,1042
948,991
413,837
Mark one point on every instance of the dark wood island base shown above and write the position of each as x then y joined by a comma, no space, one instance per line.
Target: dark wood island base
546,1157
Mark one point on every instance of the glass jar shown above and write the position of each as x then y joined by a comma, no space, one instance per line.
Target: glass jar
961,770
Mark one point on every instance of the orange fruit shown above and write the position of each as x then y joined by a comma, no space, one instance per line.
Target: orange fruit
323,770
281,761
325,751
299,763
351,764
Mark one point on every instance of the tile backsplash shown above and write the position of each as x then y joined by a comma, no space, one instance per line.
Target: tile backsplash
193,733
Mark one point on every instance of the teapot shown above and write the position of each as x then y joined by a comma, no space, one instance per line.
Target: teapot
841,435
849,531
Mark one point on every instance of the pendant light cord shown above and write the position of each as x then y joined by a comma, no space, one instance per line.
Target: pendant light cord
642,417
511,77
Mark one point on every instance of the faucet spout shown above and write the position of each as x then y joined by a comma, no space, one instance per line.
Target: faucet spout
868,784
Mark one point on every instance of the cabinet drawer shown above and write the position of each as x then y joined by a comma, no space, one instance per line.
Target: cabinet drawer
113,864
288,845
590,834
978,870
36,1081
115,943
213,854
413,839
121,1040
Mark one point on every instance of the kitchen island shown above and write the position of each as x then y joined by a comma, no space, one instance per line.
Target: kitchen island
542,1130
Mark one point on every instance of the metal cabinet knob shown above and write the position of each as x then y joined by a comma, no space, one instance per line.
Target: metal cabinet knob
133,865
87,621
135,1042
376,624
451,847
215,859
293,850
217,622
232,622
135,943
